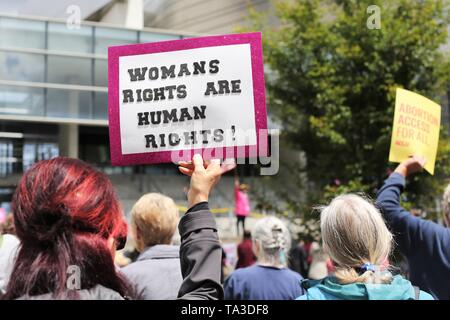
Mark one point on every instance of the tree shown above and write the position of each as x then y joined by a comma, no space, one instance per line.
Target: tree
332,80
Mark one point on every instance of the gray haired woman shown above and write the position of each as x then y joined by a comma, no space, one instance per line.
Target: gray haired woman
356,238
269,278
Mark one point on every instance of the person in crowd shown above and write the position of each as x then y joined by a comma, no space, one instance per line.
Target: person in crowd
68,218
425,244
246,256
242,203
9,245
132,254
120,260
69,223
358,242
8,226
224,268
298,259
269,278
156,275
318,268
2,216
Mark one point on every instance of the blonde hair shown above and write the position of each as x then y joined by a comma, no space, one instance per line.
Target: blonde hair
274,241
353,234
154,218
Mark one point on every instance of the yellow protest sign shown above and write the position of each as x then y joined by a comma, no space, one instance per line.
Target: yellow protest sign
416,128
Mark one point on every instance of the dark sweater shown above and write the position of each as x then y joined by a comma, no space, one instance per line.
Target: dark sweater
263,283
425,244
200,255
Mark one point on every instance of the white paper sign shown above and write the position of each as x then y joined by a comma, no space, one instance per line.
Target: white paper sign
192,94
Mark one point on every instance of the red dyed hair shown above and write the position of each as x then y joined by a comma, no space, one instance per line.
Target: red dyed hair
64,212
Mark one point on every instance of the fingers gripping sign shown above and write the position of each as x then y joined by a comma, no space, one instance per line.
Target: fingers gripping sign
413,164
204,176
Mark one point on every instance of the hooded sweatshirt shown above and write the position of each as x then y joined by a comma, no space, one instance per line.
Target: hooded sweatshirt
329,289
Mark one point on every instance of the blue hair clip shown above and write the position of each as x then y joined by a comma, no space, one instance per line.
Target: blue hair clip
282,257
367,267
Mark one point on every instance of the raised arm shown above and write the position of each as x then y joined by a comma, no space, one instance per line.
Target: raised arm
236,179
412,234
200,250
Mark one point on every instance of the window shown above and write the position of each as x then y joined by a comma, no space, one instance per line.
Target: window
21,100
101,73
153,37
61,38
69,103
22,33
106,37
101,105
22,66
34,151
69,70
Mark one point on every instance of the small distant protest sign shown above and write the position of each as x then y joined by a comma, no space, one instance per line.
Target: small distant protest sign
168,100
416,127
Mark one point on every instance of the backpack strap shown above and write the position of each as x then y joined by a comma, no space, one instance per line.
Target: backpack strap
416,292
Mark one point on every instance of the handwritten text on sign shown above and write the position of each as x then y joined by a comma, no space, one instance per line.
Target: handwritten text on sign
416,128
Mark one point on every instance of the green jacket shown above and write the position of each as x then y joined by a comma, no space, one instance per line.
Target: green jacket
329,289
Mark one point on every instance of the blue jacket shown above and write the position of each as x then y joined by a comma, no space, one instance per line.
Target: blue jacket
329,289
263,283
425,244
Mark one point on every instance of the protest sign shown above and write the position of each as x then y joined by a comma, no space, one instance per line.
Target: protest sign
168,100
416,128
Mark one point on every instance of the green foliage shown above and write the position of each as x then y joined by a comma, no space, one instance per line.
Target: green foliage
331,83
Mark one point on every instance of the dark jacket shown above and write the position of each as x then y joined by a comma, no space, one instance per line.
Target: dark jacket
156,274
259,282
425,244
298,260
200,253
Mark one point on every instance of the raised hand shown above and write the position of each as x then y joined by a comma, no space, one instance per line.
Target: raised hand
204,176
411,165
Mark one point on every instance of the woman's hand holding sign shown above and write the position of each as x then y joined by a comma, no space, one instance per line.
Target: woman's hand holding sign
411,165
204,176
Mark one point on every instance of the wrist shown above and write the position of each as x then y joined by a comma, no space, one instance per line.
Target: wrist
402,170
197,198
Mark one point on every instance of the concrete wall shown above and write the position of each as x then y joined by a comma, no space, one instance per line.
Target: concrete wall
204,16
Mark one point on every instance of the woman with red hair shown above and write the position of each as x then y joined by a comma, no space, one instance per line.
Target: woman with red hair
69,222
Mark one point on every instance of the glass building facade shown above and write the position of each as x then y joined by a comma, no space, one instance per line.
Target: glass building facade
54,93
54,70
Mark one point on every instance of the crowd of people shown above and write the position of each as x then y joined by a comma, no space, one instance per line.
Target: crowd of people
67,224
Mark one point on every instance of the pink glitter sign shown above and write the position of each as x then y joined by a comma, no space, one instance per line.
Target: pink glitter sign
168,100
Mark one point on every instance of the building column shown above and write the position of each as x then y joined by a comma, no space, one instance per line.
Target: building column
135,14
68,140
